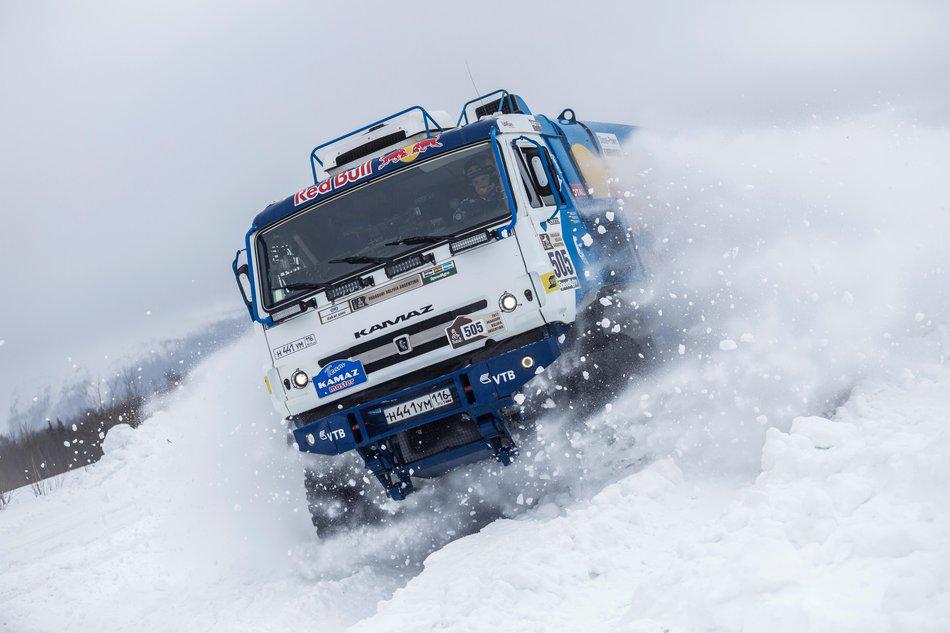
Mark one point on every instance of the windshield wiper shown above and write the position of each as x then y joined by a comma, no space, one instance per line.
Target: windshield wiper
305,286
419,239
360,259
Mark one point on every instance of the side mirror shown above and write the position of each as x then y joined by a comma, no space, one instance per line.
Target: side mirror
242,277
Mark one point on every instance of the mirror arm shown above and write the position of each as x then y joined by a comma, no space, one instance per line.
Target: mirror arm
238,271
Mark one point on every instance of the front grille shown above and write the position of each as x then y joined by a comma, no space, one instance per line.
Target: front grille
436,437
416,328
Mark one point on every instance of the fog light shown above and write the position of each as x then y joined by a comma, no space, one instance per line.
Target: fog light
300,379
311,440
508,302
527,362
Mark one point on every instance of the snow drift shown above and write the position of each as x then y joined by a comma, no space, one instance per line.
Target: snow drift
782,469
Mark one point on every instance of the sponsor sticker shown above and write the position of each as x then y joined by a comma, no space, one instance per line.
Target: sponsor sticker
294,346
334,312
475,327
609,142
498,379
408,153
337,376
579,190
536,126
388,291
333,182
553,244
550,241
446,269
549,281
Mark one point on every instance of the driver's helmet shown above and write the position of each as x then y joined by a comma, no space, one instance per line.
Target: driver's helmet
480,176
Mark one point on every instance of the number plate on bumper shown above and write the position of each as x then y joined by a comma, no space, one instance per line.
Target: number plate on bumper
418,406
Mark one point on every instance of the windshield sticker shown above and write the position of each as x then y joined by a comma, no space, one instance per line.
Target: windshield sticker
436,273
337,376
334,312
549,281
473,327
333,182
386,292
408,153
294,346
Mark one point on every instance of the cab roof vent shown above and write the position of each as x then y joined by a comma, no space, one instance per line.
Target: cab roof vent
368,148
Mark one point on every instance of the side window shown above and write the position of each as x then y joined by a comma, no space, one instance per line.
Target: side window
534,176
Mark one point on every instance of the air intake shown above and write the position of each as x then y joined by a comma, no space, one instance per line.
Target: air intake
368,148
510,106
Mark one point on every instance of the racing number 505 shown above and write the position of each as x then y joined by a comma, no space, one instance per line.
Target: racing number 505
561,262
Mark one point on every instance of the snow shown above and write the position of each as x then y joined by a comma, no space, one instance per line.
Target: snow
842,531
793,481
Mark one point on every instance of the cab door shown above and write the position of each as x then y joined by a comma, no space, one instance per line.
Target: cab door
540,229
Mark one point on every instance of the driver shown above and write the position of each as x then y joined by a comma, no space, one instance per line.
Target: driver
486,197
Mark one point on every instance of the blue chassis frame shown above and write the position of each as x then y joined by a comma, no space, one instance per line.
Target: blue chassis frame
480,401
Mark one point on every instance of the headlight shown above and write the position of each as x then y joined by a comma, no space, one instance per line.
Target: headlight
300,379
508,302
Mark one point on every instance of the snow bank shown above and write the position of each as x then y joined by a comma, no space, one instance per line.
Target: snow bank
846,529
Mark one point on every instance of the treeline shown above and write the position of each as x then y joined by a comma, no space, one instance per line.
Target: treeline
54,434
36,452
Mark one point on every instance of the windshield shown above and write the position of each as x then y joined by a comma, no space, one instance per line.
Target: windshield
440,197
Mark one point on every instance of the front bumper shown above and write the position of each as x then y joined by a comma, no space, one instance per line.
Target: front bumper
478,390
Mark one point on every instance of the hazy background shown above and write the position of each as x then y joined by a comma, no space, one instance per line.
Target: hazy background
137,140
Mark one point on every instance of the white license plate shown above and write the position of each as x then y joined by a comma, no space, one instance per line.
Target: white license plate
418,406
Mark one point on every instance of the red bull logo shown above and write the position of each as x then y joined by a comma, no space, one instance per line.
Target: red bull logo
334,182
408,153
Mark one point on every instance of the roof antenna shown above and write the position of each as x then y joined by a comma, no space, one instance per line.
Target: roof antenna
469,69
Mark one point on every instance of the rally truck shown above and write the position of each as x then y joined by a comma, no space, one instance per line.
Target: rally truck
433,269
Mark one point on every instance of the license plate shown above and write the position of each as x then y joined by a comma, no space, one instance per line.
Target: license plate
418,406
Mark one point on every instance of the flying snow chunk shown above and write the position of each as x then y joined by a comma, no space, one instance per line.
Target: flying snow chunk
920,316
605,301
601,229
519,398
587,239
727,345
548,404
605,323
610,216
682,349
2,342
747,338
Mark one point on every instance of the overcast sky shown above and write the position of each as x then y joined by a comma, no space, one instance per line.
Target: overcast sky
138,139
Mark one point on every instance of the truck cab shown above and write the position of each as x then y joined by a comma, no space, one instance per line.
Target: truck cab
430,271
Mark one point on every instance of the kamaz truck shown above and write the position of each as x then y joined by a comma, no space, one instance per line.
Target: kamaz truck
432,270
